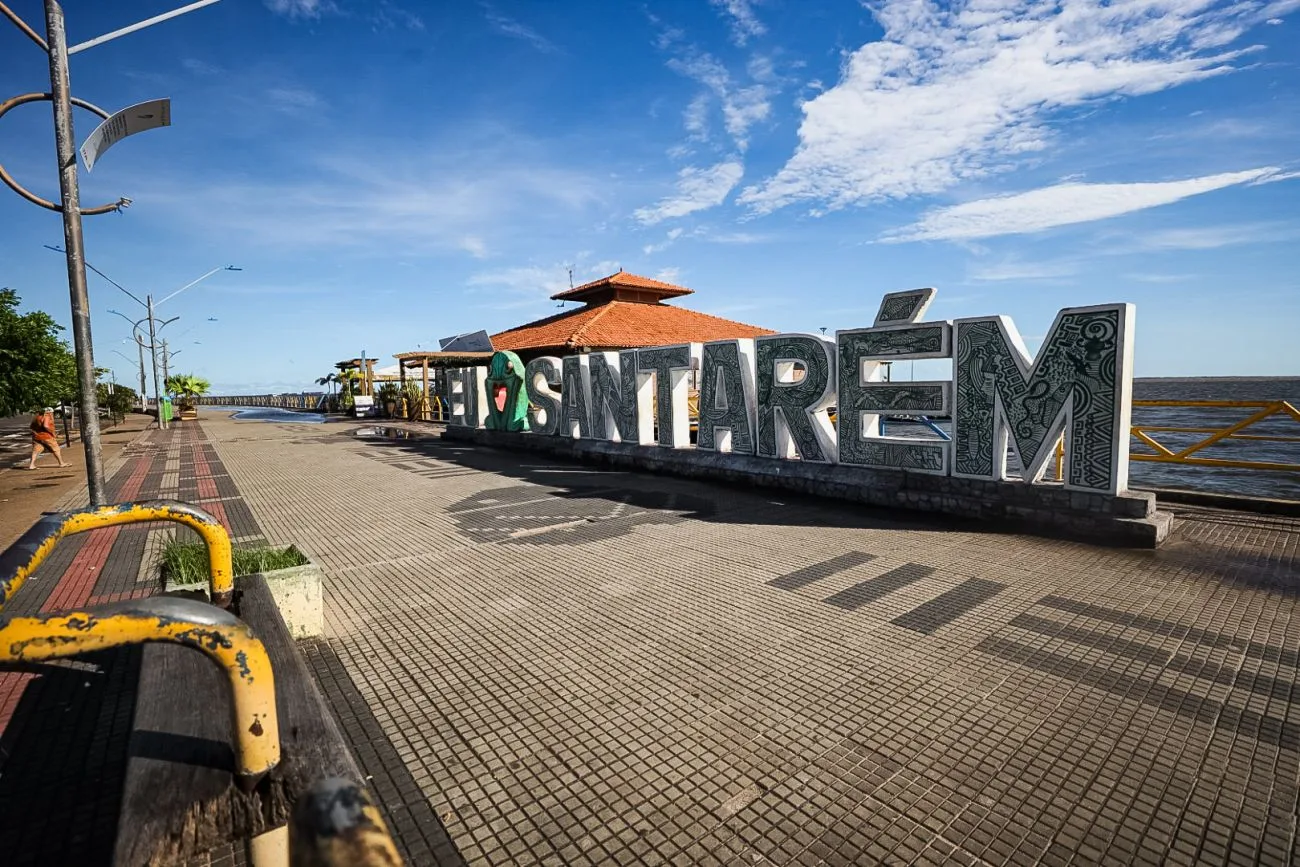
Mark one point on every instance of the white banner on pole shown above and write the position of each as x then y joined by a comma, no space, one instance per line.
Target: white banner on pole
129,121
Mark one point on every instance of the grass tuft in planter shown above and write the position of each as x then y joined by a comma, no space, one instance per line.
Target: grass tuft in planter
185,563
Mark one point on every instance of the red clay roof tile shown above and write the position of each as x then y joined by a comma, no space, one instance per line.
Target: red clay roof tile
619,324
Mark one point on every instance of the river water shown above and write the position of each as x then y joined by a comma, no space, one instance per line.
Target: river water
1255,483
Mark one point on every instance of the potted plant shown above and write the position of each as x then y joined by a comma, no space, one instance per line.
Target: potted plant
388,396
187,387
293,579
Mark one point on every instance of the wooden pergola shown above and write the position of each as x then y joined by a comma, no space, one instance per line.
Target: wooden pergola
424,361
367,372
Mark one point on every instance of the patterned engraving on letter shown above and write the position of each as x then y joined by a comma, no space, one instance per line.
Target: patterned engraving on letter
905,397
575,420
908,306
670,366
863,399
805,429
899,453
1081,381
541,376
726,397
915,341
613,396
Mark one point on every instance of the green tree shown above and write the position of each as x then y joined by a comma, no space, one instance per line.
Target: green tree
36,367
187,386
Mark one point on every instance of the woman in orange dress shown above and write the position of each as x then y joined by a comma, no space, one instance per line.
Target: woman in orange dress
44,437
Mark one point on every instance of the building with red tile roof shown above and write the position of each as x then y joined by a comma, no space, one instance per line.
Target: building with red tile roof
621,311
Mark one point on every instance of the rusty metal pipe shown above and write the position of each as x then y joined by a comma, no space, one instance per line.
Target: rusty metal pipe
22,558
335,823
219,635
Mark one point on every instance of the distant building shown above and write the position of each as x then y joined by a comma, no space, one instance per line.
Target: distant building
621,311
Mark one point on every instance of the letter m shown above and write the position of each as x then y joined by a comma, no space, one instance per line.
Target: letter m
1079,386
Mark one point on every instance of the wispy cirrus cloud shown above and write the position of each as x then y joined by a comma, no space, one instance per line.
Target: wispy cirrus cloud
741,18
532,283
507,26
1059,205
1216,237
697,190
741,106
952,93
301,8
1013,270
372,200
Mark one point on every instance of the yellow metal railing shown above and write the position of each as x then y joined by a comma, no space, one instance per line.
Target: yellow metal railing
1163,453
22,558
1263,409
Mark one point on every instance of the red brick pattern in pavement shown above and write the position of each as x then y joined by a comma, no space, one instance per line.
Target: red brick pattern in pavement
64,728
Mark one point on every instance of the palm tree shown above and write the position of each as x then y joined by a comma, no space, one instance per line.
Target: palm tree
328,379
187,386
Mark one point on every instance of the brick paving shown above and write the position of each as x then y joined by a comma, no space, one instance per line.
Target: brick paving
538,662
561,665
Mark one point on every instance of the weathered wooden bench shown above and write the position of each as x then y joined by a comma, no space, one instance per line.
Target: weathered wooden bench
187,792
181,798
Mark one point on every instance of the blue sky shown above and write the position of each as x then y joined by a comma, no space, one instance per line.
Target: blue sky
390,174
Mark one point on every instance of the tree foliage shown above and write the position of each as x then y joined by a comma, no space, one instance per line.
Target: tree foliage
187,386
36,367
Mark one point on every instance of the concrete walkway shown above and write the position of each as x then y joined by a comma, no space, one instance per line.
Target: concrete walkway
539,663
565,666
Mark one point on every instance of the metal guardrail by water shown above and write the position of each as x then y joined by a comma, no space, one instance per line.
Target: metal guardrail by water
1263,409
26,555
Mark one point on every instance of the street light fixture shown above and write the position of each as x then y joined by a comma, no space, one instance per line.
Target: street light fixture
55,47
149,304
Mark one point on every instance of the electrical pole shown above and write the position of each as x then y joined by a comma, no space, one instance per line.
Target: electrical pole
153,357
64,142
143,397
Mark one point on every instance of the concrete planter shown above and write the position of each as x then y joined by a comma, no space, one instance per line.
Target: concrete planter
297,592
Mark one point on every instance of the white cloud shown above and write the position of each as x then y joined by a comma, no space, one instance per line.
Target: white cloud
533,281
696,118
372,199
673,235
744,24
1014,269
742,107
960,92
1059,205
294,99
697,190
510,27
1158,278
1214,237
300,8
668,275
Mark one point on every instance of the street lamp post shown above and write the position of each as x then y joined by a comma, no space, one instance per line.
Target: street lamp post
55,47
149,304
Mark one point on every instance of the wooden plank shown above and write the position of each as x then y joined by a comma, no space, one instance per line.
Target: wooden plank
180,799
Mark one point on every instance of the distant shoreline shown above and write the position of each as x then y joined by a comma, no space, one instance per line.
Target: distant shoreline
1212,378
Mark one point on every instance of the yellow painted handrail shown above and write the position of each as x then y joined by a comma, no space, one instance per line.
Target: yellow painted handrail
23,558
226,640
336,824
1163,453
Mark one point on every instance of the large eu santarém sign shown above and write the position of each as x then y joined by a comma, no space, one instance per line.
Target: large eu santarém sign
772,396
